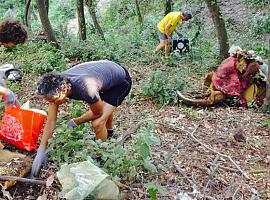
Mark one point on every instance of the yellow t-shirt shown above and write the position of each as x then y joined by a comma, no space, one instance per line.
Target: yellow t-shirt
172,18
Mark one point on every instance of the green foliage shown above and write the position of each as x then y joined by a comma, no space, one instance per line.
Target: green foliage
262,25
36,57
266,122
153,189
11,7
162,87
257,3
77,145
72,50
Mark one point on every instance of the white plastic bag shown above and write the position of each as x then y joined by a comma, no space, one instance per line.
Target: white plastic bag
80,180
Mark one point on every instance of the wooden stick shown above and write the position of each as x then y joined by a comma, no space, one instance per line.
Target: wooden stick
210,149
194,187
211,174
25,180
128,135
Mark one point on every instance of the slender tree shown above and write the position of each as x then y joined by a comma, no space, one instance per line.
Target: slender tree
219,24
47,27
168,6
92,12
266,105
47,6
26,13
81,20
138,12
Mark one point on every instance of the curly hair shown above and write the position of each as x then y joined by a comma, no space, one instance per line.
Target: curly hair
51,84
11,30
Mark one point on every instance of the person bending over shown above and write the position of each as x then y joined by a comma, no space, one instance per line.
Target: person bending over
103,85
166,26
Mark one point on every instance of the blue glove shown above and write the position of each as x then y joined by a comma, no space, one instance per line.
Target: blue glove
71,124
11,99
40,160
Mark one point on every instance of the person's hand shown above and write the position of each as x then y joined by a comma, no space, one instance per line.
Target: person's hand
39,161
71,124
11,99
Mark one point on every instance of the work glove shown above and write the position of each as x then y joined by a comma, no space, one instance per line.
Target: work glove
11,99
40,160
71,124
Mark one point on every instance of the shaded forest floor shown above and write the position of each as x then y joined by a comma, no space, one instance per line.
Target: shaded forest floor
198,155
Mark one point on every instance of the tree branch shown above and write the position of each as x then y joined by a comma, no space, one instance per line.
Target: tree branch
210,149
25,180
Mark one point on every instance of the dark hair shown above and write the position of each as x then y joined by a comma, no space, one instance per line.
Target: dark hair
11,30
51,84
187,15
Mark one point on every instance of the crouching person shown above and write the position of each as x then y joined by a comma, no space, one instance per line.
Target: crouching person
103,85
12,32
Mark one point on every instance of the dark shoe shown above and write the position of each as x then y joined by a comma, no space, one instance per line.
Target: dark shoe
110,133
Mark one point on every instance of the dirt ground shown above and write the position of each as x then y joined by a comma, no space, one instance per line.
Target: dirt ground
199,154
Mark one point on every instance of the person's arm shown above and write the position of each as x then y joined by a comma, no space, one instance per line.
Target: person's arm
94,112
167,32
41,156
177,32
3,90
95,109
50,124
9,96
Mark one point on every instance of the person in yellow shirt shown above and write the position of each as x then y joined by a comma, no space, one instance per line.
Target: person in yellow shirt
166,26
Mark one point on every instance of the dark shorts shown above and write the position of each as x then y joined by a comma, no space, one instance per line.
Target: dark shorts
116,95
162,36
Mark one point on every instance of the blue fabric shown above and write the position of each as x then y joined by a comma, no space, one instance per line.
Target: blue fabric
108,73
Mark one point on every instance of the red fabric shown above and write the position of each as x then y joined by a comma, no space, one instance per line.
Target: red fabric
251,71
226,79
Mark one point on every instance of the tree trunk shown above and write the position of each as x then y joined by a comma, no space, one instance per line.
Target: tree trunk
26,13
168,6
81,20
139,15
219,23
47,6
266,105
92,12
47,27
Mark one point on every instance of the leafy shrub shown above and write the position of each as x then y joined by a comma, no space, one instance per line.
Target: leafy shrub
153,189
263,25
77,145
161,87
38,57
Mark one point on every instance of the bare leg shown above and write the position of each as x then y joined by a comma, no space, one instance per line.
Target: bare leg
167,50
99,124
109,123
160,46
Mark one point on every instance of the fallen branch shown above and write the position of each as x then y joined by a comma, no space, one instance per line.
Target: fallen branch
25,180
177,129
194,187
128,135
259,171
212,174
